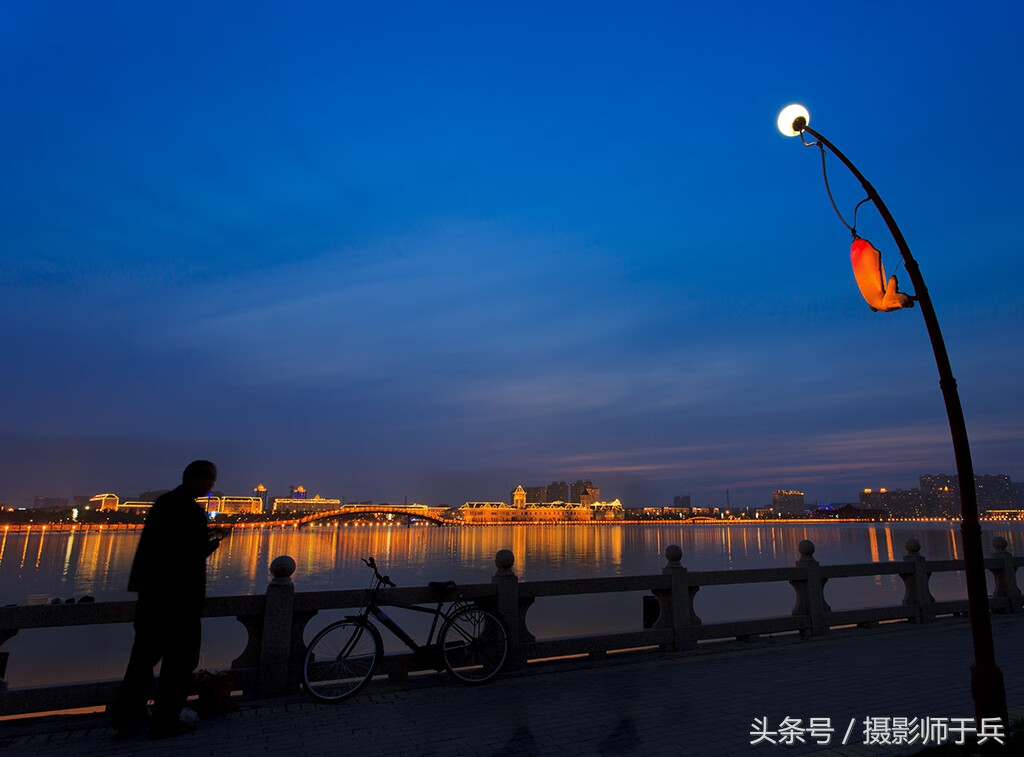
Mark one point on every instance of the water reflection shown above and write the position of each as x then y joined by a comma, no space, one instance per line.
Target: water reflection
70,564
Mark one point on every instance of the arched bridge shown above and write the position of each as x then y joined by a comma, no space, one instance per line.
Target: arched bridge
439,515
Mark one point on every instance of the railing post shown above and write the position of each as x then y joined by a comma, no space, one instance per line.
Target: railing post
917,593
276,643
509,607
810,592
677,602
1005,576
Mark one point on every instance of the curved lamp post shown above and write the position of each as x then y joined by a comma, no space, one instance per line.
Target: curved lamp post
987,684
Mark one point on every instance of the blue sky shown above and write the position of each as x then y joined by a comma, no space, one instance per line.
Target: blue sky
430,251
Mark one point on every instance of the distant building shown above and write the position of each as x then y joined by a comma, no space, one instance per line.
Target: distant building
215,503
1017,494
681,500
900,503
261,492
518,498
553,512
232,505
660,513
558,491
941,493
105,502
994,492
51,503
788,502
303,505
577,490
537,494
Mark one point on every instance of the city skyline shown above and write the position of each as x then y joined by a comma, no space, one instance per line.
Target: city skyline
268,494
420,252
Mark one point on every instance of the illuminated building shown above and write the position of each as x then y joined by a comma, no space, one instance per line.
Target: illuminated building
521,511
788,502
993,491
261,492
584,492
519,498
941,494
558,491
901,503
232,505
213,504
304,505
105,501
537,494
112,503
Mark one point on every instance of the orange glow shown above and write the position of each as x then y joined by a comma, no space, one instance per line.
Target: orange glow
870,275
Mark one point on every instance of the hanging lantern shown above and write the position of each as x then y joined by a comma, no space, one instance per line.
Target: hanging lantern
870,275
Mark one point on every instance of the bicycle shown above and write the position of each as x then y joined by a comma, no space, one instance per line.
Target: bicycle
472,644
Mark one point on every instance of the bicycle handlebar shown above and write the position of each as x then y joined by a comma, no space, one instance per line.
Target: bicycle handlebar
371,563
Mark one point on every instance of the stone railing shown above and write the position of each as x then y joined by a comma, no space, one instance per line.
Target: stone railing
270,664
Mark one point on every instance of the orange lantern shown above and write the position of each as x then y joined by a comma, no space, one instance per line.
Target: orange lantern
870,275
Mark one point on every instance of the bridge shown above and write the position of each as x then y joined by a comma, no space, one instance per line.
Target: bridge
437,515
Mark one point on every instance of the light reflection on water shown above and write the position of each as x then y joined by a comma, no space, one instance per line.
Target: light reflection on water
97,563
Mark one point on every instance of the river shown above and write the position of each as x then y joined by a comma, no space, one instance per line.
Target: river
96,563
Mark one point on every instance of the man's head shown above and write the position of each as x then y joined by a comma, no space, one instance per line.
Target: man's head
199,477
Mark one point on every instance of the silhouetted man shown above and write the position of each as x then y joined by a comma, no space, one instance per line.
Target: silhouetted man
169,573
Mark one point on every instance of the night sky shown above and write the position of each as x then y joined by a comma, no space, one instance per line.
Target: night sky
430,251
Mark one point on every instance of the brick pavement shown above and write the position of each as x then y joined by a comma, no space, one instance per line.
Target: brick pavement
694,704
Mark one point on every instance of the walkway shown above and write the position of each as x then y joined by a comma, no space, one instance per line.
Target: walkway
694,704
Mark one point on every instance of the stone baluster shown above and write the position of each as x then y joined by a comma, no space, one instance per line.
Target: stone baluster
1005,576
810,592
276,641
677,603
916,582
511,608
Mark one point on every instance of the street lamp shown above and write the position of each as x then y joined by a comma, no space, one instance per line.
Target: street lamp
987,685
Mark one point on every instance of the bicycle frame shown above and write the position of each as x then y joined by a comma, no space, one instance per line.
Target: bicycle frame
468,641
373,608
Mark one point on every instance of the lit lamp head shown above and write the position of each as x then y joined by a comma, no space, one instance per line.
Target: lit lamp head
793,119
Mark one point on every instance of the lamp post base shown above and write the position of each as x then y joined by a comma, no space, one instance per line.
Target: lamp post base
988,689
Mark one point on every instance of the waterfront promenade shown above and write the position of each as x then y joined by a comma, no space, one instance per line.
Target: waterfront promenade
702,702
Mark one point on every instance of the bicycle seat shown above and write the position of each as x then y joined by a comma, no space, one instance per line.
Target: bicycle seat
441,586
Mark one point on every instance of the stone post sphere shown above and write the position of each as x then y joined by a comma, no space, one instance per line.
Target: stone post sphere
282,567
806,547
504,559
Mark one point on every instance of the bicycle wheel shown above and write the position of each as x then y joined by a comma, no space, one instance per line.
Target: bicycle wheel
340,660
474,645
